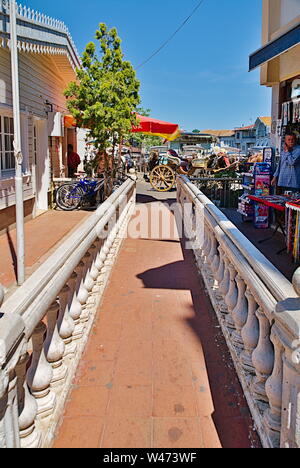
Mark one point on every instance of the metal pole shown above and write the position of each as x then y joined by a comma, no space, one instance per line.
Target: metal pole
17,144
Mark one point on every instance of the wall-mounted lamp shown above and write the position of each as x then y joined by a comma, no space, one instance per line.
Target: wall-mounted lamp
48,107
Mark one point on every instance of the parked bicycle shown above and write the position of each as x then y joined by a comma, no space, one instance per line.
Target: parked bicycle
72,195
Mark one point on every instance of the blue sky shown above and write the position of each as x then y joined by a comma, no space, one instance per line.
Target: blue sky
201,79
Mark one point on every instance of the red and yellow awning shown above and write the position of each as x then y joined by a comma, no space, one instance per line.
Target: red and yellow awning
149,126
69,121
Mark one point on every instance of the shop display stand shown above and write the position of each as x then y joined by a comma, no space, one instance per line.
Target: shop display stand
246,207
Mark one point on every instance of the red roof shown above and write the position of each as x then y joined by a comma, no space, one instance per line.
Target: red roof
250,127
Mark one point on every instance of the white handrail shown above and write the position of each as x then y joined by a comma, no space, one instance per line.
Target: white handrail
24,296
259,313
275,281
50,318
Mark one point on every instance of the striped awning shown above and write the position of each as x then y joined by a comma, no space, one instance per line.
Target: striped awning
275,48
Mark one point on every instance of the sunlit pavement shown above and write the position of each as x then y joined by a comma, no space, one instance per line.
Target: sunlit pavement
156,372
42,235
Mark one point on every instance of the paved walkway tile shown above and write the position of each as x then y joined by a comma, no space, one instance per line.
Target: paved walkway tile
42,235
156,372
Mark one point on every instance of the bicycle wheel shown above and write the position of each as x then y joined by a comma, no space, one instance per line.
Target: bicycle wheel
69,197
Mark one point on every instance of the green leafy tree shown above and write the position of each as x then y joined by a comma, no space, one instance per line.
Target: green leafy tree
196,131
106,95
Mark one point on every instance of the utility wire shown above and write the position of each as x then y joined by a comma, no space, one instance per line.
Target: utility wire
172,36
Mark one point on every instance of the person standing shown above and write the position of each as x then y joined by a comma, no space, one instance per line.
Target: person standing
287,174
73,161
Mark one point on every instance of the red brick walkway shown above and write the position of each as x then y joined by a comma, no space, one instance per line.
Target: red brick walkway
156,372
42,234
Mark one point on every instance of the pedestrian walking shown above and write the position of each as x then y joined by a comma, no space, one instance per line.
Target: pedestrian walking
73,161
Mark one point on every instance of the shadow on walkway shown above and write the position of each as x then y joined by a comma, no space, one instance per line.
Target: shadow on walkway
231,415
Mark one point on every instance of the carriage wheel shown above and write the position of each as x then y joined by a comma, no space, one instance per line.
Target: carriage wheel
162,178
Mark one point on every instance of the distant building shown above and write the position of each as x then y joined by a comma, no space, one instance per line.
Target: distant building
224,137
263,131
203,140
245,138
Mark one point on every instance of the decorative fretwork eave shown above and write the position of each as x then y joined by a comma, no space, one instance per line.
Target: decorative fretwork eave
38,34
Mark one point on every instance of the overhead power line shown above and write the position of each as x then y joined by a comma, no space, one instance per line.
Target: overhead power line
172,36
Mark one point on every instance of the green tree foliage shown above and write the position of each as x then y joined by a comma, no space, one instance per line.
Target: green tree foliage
107,92
196,131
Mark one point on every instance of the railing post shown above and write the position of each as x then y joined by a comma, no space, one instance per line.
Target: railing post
287,323
66,324
250,334
54,344
10,339
75,304
274,392
262,357
29,435
231,299
240,315
40,373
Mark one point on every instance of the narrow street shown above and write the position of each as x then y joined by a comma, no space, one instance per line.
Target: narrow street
156,372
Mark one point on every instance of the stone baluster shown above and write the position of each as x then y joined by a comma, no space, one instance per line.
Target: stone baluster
40,374
54,345
9,424
224,285
215,261
88,280
75,305
225,280
250,334
207,246
231,298
66,324
213,249
287,329
83,293
274,387
30,437
262,358
94,273
94,269
239,315
219,276
100,262
88,284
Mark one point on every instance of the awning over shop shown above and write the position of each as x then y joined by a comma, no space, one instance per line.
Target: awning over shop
149,126
69,121
275,48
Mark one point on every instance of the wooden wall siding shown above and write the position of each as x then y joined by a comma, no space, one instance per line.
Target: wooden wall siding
7,192
39,81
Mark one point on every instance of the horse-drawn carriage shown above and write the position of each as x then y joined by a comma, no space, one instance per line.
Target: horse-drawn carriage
163,169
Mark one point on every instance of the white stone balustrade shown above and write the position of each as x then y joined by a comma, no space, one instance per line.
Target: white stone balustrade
45,324
259,313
